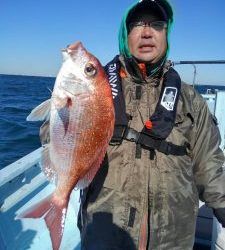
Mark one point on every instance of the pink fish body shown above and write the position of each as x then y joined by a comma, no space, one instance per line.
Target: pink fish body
81,123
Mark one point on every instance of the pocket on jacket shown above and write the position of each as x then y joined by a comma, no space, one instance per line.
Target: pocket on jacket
119,165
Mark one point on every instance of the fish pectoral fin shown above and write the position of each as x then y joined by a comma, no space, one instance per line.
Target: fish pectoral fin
41,112
47,166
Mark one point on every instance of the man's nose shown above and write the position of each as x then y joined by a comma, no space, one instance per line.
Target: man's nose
147,31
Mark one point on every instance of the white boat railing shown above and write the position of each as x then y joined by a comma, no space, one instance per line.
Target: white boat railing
216,106
18,167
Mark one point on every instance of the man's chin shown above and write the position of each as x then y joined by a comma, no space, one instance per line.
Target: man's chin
145,59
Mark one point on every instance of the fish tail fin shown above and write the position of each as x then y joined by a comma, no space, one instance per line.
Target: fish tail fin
54,216
55,221
38,210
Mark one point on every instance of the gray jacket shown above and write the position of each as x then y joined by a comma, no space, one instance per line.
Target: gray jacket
153,203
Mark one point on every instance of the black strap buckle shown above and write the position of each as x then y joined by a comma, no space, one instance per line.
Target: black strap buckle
131,135
123,132
118,135
146,141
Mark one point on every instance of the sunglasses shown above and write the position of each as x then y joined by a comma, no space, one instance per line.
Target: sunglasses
156,25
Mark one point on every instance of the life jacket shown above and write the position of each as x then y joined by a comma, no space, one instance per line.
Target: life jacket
157,129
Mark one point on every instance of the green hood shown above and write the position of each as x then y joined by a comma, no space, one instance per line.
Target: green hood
123,33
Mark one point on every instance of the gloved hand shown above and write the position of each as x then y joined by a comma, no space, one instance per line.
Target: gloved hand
220,215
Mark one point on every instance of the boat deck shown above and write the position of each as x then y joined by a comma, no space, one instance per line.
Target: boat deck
27,187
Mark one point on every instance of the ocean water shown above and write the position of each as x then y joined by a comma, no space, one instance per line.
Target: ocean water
18,96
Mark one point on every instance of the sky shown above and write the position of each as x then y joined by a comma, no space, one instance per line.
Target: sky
32,34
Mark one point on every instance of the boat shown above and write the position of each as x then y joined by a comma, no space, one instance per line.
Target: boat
22,184
209,231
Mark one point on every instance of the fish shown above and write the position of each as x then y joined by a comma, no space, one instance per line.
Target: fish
81,121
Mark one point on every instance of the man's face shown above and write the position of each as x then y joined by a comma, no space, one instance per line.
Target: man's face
147,44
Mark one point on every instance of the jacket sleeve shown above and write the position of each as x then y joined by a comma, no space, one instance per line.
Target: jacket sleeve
208,160
220,215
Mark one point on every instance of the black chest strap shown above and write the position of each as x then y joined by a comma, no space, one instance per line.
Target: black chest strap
112,69
121,121
162,120
150,143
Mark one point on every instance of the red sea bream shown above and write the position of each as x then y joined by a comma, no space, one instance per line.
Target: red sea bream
81,122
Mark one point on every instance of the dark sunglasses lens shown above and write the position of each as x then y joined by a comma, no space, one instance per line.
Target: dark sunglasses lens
159,25
135,24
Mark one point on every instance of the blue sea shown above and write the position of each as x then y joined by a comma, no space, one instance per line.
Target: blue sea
18,96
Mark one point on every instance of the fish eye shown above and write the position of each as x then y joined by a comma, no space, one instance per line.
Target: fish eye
90,70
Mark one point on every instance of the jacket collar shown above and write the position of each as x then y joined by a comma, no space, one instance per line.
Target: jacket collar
141,73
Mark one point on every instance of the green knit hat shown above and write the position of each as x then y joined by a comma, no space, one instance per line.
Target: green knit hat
161,6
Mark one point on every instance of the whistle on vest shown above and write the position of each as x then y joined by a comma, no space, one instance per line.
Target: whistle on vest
148,124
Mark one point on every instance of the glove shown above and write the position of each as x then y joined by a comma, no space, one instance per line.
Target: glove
220,215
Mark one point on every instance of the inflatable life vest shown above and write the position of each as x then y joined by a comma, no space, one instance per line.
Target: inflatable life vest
157,129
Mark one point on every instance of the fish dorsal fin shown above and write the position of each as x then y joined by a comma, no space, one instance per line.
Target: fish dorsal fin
41,112
87,179
47,166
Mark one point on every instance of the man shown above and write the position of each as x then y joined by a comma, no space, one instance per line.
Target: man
164,154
